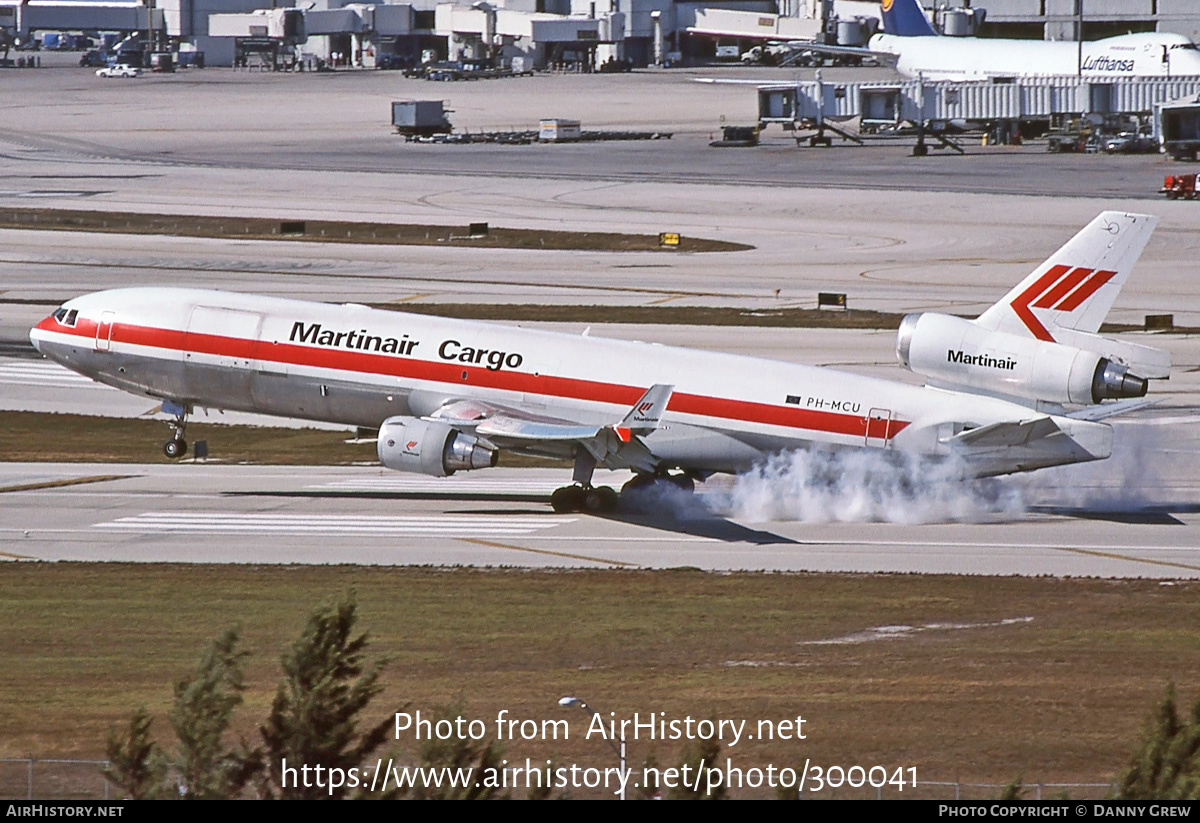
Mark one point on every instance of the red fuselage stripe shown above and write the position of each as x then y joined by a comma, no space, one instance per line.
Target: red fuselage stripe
451,373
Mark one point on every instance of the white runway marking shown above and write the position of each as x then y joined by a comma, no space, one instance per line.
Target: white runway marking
331,524
41,374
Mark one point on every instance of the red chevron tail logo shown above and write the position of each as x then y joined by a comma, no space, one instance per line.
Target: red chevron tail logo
1061,288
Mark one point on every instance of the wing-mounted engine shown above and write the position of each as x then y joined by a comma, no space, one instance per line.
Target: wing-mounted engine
431,447
959,352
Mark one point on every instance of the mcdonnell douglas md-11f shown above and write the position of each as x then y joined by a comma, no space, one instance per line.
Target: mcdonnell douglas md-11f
1023,386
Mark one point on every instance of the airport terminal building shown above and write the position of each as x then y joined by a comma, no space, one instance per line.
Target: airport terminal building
584,34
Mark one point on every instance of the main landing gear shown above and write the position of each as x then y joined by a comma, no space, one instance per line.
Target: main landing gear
584,497
176,447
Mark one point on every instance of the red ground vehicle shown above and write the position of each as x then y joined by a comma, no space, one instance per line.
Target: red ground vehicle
1176,186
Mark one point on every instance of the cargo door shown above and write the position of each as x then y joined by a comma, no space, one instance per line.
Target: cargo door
269,385
219,352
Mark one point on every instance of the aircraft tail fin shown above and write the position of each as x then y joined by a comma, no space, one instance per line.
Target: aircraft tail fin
1076,287
904,18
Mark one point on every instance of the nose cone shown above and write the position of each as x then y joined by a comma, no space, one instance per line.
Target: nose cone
38,334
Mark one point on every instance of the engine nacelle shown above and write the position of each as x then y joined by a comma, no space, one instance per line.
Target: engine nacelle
408,444
957,351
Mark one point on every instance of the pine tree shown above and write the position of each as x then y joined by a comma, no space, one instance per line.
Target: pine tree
135,763
316,712
204,706
1167,765
484,760
699,757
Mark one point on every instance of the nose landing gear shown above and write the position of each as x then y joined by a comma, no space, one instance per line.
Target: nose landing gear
176,447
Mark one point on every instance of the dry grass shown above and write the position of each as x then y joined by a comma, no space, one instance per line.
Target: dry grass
660,315
1059,697
340,231
76,438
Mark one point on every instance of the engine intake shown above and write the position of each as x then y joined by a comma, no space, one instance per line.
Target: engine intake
409,444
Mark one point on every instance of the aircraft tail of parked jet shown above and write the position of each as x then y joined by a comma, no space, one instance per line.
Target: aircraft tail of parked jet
904,18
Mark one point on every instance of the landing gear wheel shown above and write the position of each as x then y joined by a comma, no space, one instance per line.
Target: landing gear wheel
600,500
682,482
580,499
176,447
567,499
638,481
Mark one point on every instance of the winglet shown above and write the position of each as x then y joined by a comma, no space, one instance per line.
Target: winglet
647,412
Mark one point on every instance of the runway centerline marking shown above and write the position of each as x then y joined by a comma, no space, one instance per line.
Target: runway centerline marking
1130,558
566,555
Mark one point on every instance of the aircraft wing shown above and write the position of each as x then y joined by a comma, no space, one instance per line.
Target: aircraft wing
884,57
1019,445
507,426
1006,433
616,445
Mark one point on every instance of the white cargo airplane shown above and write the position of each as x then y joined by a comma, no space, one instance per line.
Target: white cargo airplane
911,43
449,395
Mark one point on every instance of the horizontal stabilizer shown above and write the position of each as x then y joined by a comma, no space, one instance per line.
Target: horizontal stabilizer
1144,361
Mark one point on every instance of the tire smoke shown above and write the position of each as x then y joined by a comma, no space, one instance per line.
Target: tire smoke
822,485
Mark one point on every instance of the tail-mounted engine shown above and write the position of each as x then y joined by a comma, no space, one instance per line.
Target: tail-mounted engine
959,352
408,444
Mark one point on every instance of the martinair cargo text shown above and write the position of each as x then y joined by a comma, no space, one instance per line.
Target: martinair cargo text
917,50
1021,387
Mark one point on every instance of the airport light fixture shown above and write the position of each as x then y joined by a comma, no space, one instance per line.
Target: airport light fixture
575,701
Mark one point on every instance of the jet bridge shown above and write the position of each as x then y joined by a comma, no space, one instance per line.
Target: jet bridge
822,104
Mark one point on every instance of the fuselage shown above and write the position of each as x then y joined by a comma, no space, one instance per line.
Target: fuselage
358,366
1149,54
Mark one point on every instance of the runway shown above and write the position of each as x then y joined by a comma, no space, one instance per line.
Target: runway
894,233
195,513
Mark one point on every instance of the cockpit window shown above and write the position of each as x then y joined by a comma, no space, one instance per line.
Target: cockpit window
65,317
1191,46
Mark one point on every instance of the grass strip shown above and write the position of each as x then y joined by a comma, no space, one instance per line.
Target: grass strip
345,231
37,437
974,679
